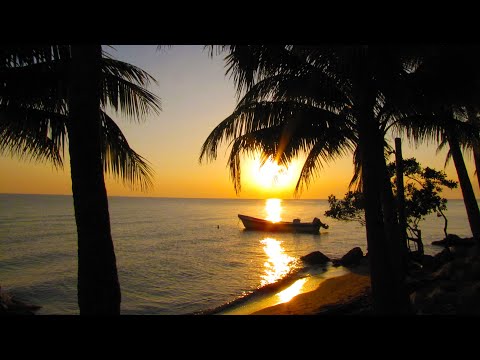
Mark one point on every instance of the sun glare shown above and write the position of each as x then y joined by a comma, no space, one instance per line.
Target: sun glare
273,208
270,175
278,264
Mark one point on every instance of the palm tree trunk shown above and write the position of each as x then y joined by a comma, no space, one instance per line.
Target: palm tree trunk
380,270
98,285
469,199
397,247
387,267
389,295
472,118
397,242
476,157
387,292
402,220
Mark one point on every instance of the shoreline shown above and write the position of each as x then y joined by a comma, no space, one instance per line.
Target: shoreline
445,284
332,294
303,282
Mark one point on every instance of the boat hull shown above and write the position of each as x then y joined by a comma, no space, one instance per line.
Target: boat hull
252,223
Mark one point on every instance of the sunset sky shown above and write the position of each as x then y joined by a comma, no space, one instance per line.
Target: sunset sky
196,95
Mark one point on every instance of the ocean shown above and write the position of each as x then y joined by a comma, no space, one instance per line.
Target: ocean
174,256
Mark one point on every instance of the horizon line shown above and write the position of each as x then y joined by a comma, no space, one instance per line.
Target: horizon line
182,197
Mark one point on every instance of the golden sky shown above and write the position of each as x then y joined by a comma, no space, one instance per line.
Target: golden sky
196,95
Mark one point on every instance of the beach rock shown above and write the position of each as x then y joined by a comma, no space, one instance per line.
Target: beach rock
414,284
447,241
442,257
428,262
436,298
454,240
415,269
475,270
315,258
468,300
460,251
353,257
448,285
445,272
416,256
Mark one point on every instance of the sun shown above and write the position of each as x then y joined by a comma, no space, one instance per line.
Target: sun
270,179
270,175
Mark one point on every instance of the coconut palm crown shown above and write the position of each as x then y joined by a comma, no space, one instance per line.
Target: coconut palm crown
325,101
34,111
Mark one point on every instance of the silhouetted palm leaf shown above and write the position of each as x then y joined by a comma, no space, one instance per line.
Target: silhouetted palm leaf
447,83
352,100
286,85
123,88
120,160
34,113
32,134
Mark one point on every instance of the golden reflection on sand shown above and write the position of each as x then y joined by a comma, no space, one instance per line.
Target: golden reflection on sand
291,291
278,263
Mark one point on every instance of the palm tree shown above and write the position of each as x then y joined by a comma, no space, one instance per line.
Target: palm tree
447,88
34,111
51,91
323,101
469,125
472,118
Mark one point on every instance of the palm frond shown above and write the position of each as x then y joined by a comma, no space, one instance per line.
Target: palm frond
329,146
120,160
314,89
356,183
423,128
124,88
34,112
33,134
14,56
256,116
42,84
321,145
267,142
248,64
301,98
263,141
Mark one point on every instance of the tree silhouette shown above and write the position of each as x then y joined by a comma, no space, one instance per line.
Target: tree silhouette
51,93
325,101
447,86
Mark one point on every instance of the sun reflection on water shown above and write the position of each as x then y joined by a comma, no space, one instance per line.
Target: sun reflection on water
278,264
273,207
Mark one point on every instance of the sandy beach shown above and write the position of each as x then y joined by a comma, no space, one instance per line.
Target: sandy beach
446,284
341,290
314,293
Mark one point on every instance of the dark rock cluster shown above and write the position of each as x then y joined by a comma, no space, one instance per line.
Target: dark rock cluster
449,282
445,284
352,258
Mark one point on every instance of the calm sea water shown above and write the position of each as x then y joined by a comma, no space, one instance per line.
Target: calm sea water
174,256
